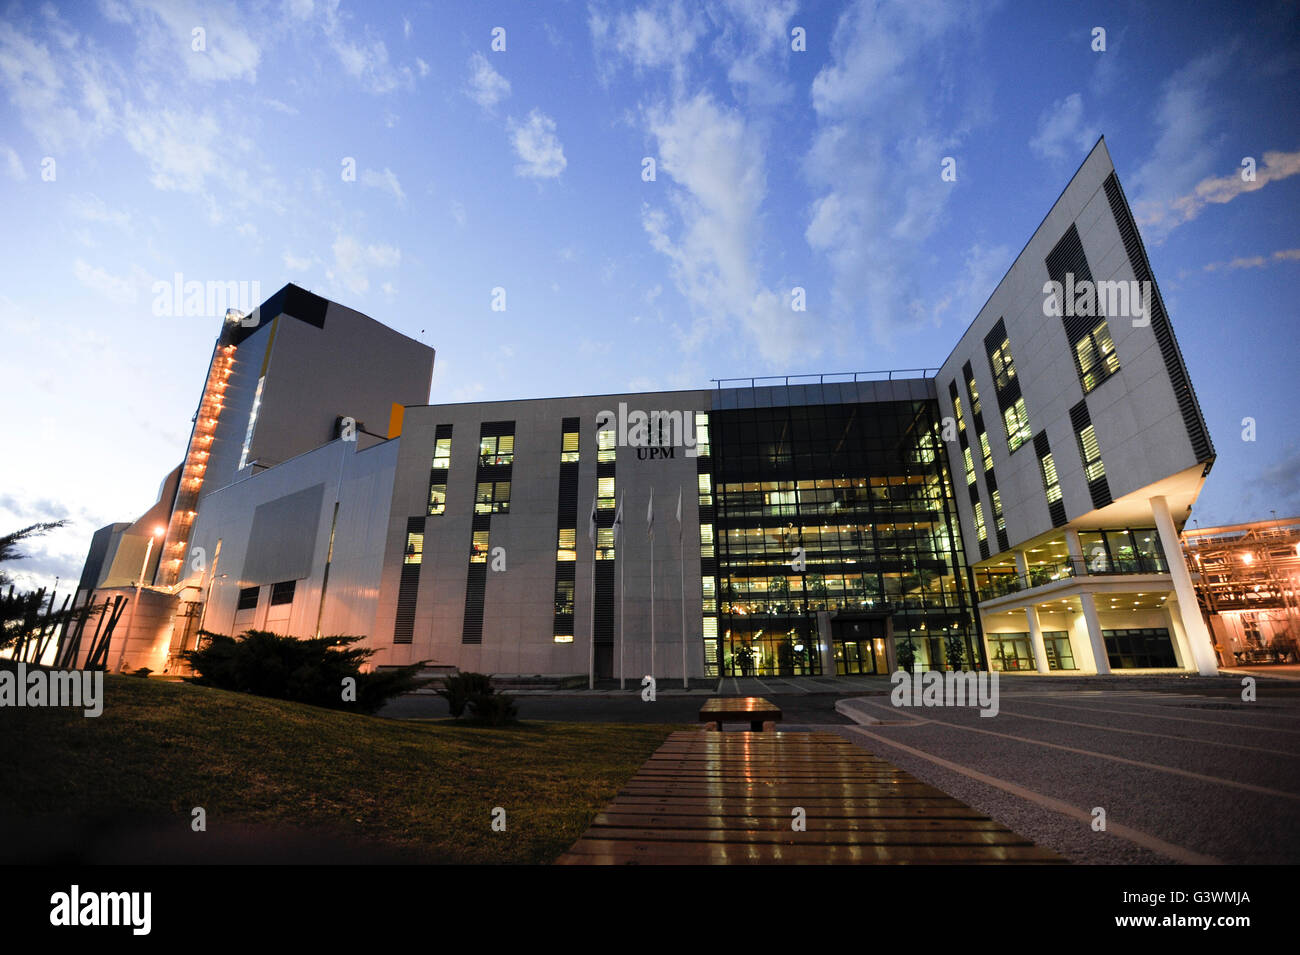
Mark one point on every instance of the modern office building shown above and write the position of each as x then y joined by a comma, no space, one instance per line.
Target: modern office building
1248,582
1017,508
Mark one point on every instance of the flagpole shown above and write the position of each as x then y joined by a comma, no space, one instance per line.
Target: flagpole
681,562
652,581
622,594
594,536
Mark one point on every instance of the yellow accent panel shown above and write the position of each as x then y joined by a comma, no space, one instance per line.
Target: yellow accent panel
395,417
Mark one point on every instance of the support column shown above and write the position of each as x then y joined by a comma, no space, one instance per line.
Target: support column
1095,639
1075,551
1189,612
1031,615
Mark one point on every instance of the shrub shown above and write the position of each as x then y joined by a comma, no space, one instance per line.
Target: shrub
955,647
310,670
493,709
459,688
143,671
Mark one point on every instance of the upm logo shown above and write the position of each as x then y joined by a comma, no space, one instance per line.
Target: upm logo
655,434
74,907
237,301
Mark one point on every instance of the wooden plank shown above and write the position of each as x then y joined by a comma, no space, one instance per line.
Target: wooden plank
726,798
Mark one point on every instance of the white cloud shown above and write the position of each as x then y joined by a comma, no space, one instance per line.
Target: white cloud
660,34
64,101
363,56
94,209
180,148
1218,190
13,164
714,162
385,181
1184,151
123,291
891,103
538,148
1255,261
457,209
295,264
352,262
165,28
1062,132
486,87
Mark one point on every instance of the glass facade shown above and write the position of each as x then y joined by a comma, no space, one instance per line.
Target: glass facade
842,508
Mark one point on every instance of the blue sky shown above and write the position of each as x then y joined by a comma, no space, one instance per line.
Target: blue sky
522,169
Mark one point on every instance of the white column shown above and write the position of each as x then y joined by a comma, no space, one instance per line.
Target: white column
1036,639
1031,615
1095,639
1198,637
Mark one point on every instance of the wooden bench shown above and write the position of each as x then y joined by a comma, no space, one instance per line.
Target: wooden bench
759,713
726,798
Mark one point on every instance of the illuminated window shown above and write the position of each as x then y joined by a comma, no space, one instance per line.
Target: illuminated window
496,450
479,548
702,433
1004,368
985,451
606,449
706,489
565,548
1050,482
604,543
604,492
1090,451
999,519
569,447
437,498
956,407
492,497
414,553
564,597
1016,419
980,529
1096,357
442,453
970,465
974,395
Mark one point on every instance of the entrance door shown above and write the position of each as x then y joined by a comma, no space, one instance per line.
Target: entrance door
859,646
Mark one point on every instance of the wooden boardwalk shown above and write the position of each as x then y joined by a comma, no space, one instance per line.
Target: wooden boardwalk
729,798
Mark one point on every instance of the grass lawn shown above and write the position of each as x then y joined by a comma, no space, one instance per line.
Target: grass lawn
425,789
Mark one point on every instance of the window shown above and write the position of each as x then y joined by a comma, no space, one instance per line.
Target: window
604,493
565,546
702,434
1004,368
437,498
604,543
248,598
956,408
985,451
970,465
282,593
496,450
1051,483
999,519
1090,451
492,497
564,597
569,447
252,423
442,453
1139,648
606,449
1096,357
1016,419
414,548
980,529
479,548
974,394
